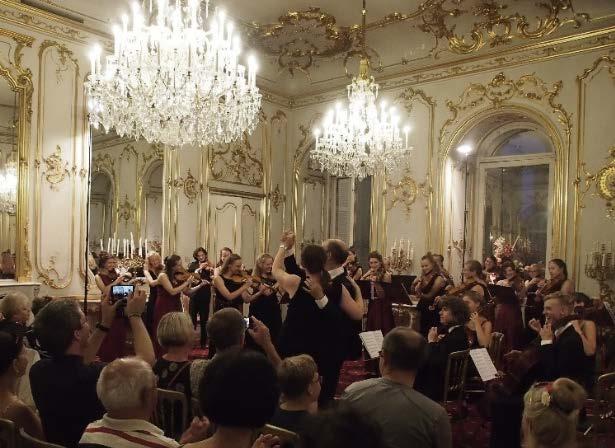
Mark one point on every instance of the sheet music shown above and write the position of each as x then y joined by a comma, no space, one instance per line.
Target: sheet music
372,341
484,364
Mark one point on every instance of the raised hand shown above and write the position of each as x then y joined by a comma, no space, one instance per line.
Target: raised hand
432,336
535,325
136,303
546,333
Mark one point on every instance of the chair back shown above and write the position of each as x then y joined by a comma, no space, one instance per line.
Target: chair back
7,434
455,376
496,348
27,441
288,439
171,413
604,408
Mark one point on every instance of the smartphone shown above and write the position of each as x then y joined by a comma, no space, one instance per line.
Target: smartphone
121,292
247,320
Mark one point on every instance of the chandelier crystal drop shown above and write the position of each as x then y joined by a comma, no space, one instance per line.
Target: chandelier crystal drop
170,81
361,140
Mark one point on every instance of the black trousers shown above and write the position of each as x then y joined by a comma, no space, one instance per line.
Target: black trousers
329,369
199,306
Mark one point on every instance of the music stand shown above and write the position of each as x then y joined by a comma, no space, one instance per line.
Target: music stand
503,294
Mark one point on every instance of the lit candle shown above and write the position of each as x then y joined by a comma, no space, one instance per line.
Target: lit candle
125,23
117,248
109,245
92,63
603,258
140,248
101,245
145,246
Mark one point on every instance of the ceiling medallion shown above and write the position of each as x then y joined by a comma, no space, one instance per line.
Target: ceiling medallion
360,141
172,81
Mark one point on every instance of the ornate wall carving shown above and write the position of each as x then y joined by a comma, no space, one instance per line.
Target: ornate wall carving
237,162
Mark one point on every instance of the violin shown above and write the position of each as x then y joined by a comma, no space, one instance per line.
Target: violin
270,283
181,275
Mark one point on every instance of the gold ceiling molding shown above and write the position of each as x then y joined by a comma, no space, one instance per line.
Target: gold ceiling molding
501,90
22,40
236,162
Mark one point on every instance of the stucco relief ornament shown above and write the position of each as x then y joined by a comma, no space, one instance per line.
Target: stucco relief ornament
192,187
125,210
605,184
57,169
276,197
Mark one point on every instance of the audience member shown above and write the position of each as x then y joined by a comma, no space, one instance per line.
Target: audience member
478,327
64,386
341,427
454,315
300,386
585,327
13,363
126,388
16,307
561,347
406,417
239,394
551,413
174,369
226,330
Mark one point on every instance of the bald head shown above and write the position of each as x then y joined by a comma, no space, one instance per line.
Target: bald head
337,252
125,384
403,349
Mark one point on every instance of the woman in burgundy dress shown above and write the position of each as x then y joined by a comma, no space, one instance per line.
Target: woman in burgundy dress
168,295
379,312
508,319
114,344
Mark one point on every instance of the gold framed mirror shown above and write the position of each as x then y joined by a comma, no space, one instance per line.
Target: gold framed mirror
15,121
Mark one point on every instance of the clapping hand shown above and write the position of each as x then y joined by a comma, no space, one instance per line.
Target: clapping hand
259,332
474,317
314,288
546,332
432,336
266,441
196,432
535,325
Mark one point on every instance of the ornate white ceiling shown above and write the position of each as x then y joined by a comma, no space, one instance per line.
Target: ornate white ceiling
307,47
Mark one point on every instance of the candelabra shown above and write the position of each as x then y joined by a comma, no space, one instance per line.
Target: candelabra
401,257
599,266
125,264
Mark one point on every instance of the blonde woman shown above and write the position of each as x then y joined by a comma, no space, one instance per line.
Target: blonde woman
262,296
551,413
174,369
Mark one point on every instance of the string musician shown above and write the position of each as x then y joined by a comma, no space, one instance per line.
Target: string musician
508,316
379,311
558,280
114,344
200,301
232,283
263,296
352,266
426,288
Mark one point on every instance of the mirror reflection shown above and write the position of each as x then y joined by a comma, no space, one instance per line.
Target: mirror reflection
8,179
125,198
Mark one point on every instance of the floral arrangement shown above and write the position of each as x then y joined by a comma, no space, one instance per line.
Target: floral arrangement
518,252
503,248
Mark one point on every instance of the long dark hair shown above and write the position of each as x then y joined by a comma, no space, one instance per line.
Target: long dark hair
229,261
430,257
103,257
169,264
196,252
313,258
220,262
562,265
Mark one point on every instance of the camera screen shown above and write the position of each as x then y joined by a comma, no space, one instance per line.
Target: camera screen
121,292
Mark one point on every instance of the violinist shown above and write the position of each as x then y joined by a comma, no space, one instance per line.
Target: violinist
172,282
353,268
443,272
152,267
558,280
262,296
425,289
472,281
225,252
379,311
533,307
231,284
114,344
508,318
200,301
493,273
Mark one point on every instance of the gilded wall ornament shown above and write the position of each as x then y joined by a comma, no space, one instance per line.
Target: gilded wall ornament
128,152
104,162
126,210
406,191
65,56
276,197
604,182
500,90
237,162
56,168
191,187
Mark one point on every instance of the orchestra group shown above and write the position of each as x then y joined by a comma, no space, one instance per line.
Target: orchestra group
317,300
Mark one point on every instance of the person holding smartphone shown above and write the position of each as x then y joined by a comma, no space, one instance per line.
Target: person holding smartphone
114,345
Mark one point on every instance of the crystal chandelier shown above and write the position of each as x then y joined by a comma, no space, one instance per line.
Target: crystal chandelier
361,140
171,81
8,188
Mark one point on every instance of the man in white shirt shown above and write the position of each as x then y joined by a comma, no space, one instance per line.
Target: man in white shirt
127,389
406,417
